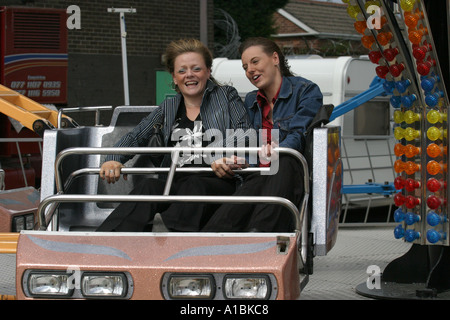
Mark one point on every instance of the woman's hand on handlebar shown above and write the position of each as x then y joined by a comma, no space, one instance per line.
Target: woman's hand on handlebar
223,168
110,171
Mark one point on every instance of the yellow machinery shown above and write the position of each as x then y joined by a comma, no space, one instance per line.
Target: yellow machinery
8,242
29,113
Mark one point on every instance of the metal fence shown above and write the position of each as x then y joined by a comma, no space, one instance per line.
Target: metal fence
368,179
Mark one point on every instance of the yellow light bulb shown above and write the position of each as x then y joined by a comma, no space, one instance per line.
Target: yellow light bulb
434,116
398,116
407,5
399,133
353,11
434,133
411,134
372,3
411,116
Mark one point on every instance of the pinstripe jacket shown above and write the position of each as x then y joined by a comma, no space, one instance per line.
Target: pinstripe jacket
221,109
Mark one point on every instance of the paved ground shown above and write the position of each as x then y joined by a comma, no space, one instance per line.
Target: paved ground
337,274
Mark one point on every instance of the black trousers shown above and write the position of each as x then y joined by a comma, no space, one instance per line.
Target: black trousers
261,217
136,216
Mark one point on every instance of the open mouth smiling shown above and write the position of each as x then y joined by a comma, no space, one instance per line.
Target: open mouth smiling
191,83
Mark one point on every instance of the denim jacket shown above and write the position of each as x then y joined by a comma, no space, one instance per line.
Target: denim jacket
298,102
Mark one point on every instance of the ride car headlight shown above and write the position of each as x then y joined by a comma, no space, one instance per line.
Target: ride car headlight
103,285
23,222
191,286
48,284
18,224
29,221
246,287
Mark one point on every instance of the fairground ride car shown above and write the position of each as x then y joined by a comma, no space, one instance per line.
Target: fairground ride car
67,259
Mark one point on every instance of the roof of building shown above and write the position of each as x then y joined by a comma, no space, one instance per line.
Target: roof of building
322,18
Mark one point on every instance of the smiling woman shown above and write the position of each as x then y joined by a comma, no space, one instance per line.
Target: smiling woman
283,106
201,107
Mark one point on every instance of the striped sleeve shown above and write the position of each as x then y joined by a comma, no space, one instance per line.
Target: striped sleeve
138,137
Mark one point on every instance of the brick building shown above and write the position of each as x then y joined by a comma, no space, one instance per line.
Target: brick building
94,52
316,27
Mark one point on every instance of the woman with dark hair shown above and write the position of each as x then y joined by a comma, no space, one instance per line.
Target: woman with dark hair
201,109
283,106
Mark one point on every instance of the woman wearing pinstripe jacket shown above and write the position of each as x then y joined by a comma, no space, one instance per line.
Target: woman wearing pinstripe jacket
201,112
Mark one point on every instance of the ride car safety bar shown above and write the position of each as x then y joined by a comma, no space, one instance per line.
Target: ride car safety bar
174,150
299,215
43,220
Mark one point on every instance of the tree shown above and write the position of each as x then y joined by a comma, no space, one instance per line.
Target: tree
254,18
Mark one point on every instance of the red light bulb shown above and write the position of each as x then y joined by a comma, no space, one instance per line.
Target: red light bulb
411,202
399,183
390,54
375,56
397,69
382,71
399,199
433,185
423,68
433,202
420,52
411,184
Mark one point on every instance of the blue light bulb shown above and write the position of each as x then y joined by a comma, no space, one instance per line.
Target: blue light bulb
434,236
432,99
427,84
402,85
411,218
434,219
399,232
411,235
399,215
388,86
409,100
396,101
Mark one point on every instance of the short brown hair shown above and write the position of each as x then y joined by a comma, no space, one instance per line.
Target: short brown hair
175,48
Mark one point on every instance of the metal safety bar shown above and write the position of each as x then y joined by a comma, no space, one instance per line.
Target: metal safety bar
97,110
60,197
148,150
43,220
